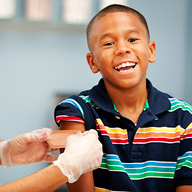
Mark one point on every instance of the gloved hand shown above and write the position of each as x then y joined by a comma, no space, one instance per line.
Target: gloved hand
27,148
83,153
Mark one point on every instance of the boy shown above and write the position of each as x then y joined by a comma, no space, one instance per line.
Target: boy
146,134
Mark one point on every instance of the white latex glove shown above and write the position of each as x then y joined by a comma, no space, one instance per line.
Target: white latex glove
83,153
27,148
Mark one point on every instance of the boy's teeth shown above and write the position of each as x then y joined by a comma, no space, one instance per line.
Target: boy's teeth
127,64
123,65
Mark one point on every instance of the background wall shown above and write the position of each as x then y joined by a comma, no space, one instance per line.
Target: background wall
38,62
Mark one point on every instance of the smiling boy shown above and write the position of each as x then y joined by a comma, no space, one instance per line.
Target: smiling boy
120,50
146,134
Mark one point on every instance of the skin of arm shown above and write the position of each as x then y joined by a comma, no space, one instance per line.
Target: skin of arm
85,182
47,179
0,142
184,188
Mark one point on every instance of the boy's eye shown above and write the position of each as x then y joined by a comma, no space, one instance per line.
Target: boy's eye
108,44
132,40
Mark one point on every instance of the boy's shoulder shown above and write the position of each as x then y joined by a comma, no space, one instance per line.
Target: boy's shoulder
159,99
179,104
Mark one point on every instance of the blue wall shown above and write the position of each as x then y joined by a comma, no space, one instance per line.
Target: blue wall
188,54
39,62
168,24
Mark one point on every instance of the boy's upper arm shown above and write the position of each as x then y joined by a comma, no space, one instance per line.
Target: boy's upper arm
85,182
184,188
72,125
69,116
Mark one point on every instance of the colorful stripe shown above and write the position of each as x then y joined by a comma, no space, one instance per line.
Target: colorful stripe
178,104
117,135
105,190
138,171
87,99
185,160
76,104
158,135
188,132
68,118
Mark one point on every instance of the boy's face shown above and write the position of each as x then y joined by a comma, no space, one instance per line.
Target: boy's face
120,50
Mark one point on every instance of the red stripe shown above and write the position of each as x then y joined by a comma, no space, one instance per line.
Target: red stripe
103,131
119,141
187,136
168,140
67,118
114,140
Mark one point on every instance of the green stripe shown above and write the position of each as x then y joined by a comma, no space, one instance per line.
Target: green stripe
88,100
138,173
144,172
186,161
176,104
112,167
151,168
175,107
151,174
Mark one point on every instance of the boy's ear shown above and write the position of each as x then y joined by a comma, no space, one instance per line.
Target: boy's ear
152,51
92,63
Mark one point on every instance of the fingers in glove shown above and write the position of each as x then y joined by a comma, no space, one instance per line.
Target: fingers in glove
51,158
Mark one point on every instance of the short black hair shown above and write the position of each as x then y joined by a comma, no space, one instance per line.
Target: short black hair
115,8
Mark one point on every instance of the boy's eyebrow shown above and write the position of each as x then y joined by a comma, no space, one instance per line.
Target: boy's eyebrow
105,35
133,31
111,34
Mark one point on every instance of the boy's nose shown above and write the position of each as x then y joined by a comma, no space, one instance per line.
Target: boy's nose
123,49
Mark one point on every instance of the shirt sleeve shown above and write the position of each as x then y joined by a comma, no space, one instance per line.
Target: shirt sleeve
68,110
183,173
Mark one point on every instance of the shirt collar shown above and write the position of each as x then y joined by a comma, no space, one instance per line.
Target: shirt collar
157,102
100,97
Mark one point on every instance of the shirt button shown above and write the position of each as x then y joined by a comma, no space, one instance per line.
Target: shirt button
117,117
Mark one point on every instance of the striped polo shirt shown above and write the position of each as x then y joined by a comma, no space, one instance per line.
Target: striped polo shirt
155,155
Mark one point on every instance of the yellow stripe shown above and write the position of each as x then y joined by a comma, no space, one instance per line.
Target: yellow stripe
99,121
112,130
101,190
105,190
188,129
116,130
189,126
161,129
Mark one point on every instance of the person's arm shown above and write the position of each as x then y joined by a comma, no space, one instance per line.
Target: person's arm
85,182
83,153
0,157
47,179
26,148
184,188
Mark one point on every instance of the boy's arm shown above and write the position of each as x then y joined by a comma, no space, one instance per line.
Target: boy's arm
85,182
184,188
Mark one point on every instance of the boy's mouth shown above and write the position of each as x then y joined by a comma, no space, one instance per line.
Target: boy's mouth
124,67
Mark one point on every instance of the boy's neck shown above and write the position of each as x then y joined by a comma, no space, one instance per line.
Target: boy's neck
129,102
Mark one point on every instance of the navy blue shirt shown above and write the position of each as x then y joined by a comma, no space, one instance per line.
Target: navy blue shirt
153,156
